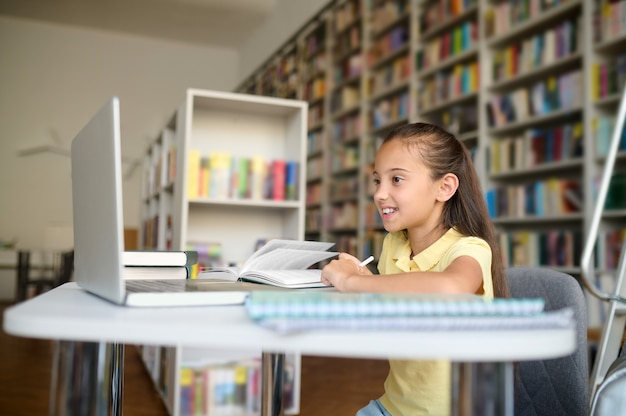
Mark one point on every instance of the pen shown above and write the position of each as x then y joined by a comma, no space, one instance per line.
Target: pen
366,261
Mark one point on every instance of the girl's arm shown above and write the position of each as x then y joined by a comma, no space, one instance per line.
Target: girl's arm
463,275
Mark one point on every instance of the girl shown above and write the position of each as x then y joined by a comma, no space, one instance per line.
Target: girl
440,240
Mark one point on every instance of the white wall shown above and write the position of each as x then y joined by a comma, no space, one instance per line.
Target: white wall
289,17
55,77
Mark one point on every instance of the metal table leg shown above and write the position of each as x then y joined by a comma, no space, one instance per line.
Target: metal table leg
482,389
87,379
272,367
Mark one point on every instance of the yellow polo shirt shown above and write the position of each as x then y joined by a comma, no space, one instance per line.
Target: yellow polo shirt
423,387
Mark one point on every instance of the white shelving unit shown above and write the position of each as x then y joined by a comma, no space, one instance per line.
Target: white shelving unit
245,127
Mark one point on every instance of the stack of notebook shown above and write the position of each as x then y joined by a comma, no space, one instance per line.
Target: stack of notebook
290,311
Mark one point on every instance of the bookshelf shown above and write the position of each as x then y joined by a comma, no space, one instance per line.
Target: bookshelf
530,87
314,61
159,173
534,118
606,66
235,181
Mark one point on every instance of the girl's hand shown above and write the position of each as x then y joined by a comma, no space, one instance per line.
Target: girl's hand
339,272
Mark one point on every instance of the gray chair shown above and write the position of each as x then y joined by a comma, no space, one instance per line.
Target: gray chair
557,386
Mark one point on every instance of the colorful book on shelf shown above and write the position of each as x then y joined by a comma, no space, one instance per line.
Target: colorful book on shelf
282,263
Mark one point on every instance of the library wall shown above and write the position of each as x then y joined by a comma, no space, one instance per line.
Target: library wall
54,78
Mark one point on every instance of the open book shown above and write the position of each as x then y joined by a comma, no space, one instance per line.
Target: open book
283,263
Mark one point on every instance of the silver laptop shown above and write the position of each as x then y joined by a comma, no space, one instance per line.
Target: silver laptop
99,227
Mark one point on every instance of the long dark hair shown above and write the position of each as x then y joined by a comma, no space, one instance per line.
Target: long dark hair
442,153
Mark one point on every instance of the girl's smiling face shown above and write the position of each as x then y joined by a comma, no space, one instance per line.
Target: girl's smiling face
406,196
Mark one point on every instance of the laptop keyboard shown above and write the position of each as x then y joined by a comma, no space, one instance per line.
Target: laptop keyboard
141,286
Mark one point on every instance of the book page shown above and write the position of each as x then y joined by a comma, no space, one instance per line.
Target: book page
220,273
287,278
292,244
286,259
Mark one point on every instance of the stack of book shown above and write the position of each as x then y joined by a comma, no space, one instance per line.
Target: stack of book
151,264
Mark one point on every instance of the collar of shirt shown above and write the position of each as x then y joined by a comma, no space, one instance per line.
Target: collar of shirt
426,259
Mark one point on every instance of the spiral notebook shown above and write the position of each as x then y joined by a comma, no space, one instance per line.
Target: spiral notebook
292,312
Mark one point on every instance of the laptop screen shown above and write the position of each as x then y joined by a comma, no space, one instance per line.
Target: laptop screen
97,204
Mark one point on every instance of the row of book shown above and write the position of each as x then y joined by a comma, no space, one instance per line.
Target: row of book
389,75
347,14
609,248
504,16
609,77
560,93
344,158
313,220
343,216
315,115
346,128
386,13
315,141
160,169
314,66
390,110
314,89
459,80
230,389
344,188
314,168
536,146
551,197
609,18
458,119
314,43
345,97
459,39
391,42
347,43
603,128
439,11
349,68
150,232
540,50
220,175
554,248
314,193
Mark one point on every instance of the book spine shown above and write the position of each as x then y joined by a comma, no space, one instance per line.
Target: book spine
291,191
278,179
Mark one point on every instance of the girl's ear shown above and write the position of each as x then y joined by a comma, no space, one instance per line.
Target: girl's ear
448,186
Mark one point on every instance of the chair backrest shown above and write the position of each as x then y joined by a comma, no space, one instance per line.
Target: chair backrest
557,386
